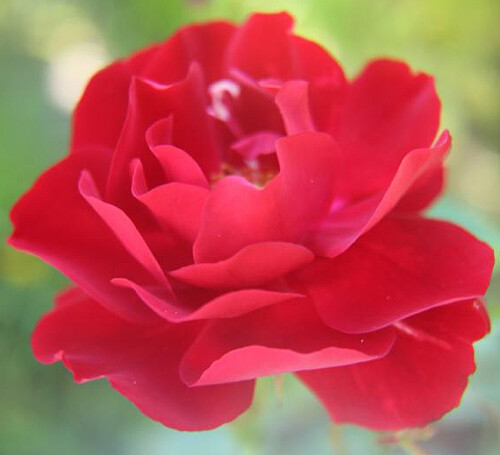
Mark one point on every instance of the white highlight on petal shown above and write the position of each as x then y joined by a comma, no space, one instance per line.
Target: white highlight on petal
217,91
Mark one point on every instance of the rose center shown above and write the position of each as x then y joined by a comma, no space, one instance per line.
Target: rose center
249,154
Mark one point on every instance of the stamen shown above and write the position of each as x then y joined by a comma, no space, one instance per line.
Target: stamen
251,172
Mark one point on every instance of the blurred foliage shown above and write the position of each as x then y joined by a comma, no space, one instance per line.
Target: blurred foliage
48,46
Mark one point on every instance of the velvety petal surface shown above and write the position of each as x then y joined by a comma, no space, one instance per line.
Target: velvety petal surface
347,222
423,376
276,339
403,266
247,53
254,265
177,206
185,102
140,362
387,112
99,115
55,222
201,43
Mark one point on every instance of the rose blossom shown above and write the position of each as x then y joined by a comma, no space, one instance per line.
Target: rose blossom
233,207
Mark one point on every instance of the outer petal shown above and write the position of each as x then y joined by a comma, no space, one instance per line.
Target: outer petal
121,225
247,53
238,214
387,112
348,222
54,222
422,378
142,363
254,265
423,192
286,57
401,267
99,116
276,339
186,103
201,43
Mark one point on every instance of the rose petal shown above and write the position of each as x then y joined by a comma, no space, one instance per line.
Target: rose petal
424,192
238,214
276,339
401,267
201,43
141,362
54,222
178,166
186,102
176,206
387,112
247,53
100,113
422,377
227,305
326,79
293,102
121,225
254,265
346,224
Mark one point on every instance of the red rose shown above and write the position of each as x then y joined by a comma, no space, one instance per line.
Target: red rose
233,207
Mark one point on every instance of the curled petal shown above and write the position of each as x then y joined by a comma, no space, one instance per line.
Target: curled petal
124,229
178,166
386,113
254,265
293,102
276,339
254,145
72,237
149,102
345,225
227,305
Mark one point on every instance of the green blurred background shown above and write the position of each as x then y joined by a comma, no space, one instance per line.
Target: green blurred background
49,48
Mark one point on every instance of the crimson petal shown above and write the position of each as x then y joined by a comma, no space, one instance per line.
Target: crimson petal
54,222
238,214
186,103
227,305
346,224
254,265
276,339
403,266
387,112
140,362
422,377
201,43
100,113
